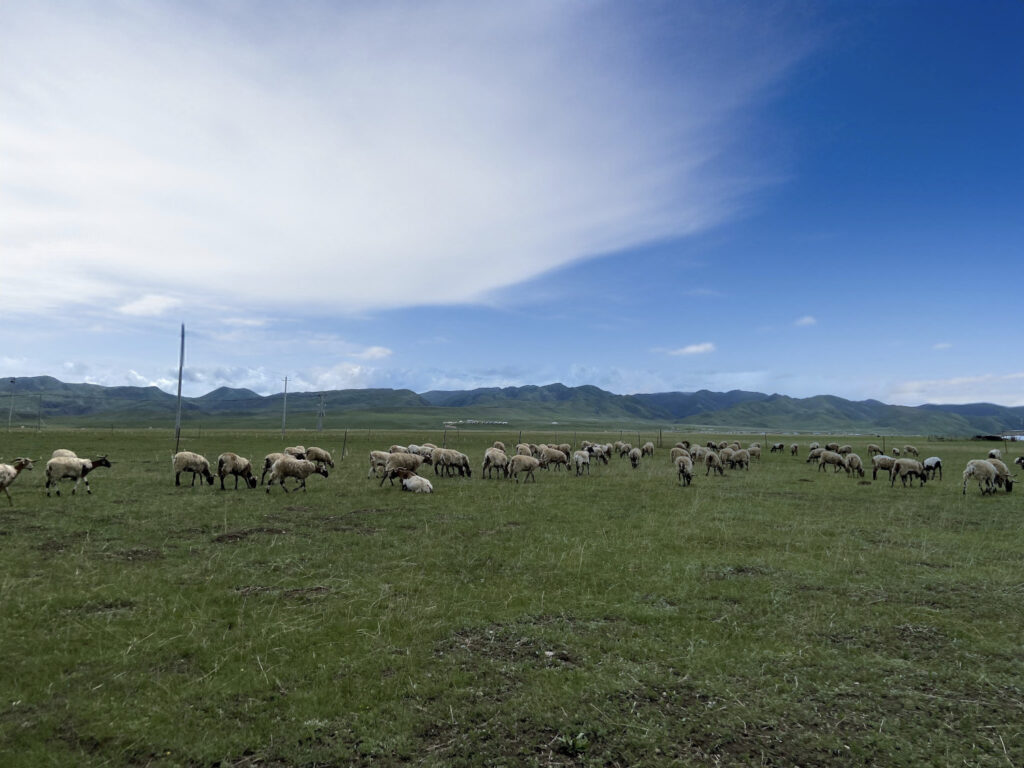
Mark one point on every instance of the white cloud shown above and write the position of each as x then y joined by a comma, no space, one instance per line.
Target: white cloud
150,305
694,349
942,345
287,158
373,353
805,321
1004,389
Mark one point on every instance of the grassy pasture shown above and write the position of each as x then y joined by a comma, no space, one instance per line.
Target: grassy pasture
780,616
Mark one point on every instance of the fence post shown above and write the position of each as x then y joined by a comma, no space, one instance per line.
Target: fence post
343,444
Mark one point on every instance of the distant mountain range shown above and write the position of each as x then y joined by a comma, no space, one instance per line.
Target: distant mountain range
46,401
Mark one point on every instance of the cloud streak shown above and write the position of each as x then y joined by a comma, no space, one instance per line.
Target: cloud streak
194,150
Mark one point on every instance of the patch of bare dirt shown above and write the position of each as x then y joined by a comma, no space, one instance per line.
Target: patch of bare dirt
233,536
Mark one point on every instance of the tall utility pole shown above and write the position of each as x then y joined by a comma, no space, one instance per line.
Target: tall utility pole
320,415
181,367
284,407
10,414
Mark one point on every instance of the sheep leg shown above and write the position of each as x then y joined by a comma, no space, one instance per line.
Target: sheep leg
177,478
9,499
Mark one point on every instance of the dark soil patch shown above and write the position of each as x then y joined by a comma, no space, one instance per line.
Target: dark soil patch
233,536
371,511
101,607
138,554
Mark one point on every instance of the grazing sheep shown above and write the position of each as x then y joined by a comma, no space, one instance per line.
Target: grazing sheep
834,447
911,450
499,445
698,454
895,451
725,454
522,449
319,456
713,462
289,466
683,444
995,453
984,472
777,448
814,455
581,459
624,450
1019,460
676,452
409,461
634,457
72,468
647,449
9,473
906,469
723,444
1003,476
603,452
755,451
448,461
813,446
932,465
564,448
549,456
740,458
377,461
187,461
881,461
844,450
399,449
520,463
296,451
854,465
874,449
834,459
63,453
494,458
684,468
794,450
232,464
270,458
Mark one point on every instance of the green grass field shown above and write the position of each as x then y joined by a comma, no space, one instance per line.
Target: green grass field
780,616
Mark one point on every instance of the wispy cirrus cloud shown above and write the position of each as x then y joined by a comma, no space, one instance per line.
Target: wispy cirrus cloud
693,349
805,321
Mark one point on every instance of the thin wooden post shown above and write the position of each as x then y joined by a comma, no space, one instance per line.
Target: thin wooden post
343,444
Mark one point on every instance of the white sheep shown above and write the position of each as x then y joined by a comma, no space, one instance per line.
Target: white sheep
881,461
647,449
814,455
984,472
296,451
289,466
873,449
522,449
676,452
268,464
794,450
72,468
845,449
995,453
499,445
399,449
520,463
1019,461
834,447
740,458
9,473
624,449
895,451
814,446
581,459
834,459
777,448
319,456
1003,476
377,461
63,453
549,456
906,469
854,464
713,462
448,461
755,451
417,484
684,469
635,455
232,464
494,459
909,449
188,461
932,465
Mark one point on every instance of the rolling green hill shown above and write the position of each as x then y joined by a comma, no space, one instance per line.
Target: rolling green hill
48,402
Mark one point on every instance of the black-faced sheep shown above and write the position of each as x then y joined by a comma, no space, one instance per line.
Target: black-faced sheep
684,469
1003,477
1019,461
995,453
72,468
777,448
9,473
288,466
520,463
907,469
983,472
932,465
232,464
188,461
319,456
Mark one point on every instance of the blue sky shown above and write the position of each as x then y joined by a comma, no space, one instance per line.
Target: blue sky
795,197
